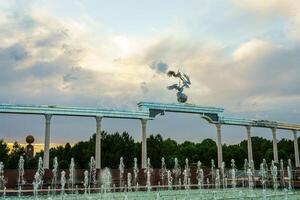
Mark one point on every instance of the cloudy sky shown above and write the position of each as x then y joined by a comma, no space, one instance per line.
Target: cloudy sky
243,55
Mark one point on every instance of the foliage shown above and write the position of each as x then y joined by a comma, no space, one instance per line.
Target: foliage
123,145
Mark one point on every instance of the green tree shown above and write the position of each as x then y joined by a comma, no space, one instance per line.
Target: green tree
14,155
4,152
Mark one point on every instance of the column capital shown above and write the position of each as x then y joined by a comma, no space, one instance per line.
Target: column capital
144,121
218,126
98,118
295,134
48,117
248,127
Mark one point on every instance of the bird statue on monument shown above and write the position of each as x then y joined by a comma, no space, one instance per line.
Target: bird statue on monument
184,82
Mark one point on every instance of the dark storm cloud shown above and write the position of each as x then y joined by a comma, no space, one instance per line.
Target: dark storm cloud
159,67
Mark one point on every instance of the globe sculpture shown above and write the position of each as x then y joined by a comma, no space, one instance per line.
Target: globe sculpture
29,148
184,82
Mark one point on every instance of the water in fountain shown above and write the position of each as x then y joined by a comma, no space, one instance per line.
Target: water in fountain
207,182
274,174
163,171
250,179
246,165
62,183
251,167
176,171
86,181
289,171
217,181
36,183
223,175
2,179
121,172
54,175
41,171
282,174
263,175
71,180
200,175
170,179
135,171
49,192
106,183
187,174
129,180
265,166
106,180
213,171
233,174
38,178
93,172
148,172
21,181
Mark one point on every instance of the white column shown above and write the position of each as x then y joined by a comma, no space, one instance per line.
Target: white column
144,143
297,162
249,143
219,145
47,141
98,142
275,150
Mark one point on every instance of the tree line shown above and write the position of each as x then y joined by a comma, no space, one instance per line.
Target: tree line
118,145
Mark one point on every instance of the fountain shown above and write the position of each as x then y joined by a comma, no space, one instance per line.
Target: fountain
71,180
233,174
250,179
282,174
38,178
86,181
274,174
21,181
129,179
159,191
170,179
163,171
176,171
148,172
289,170
93,173
217,181
54,175
213,171
200,175
62,183
263,175
106,180
121,172
246,165
187,174
223,174
135,172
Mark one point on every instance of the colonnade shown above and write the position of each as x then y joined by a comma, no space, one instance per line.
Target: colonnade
144,143
249,145
98,142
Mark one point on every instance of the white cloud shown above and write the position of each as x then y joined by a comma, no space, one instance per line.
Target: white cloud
61,62
289,9
253,50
